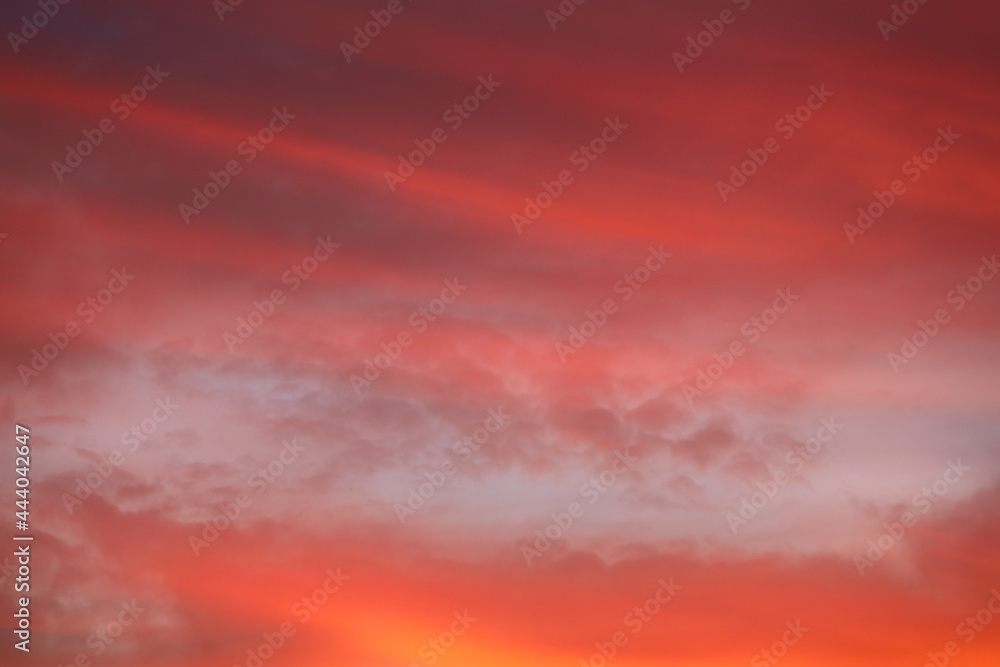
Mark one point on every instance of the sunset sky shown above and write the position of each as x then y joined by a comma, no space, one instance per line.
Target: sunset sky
641,334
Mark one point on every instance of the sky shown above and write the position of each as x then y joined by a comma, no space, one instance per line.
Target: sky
524,333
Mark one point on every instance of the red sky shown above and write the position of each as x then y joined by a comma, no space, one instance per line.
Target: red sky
586,355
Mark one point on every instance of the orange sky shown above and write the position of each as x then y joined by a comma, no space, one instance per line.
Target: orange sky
647,424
